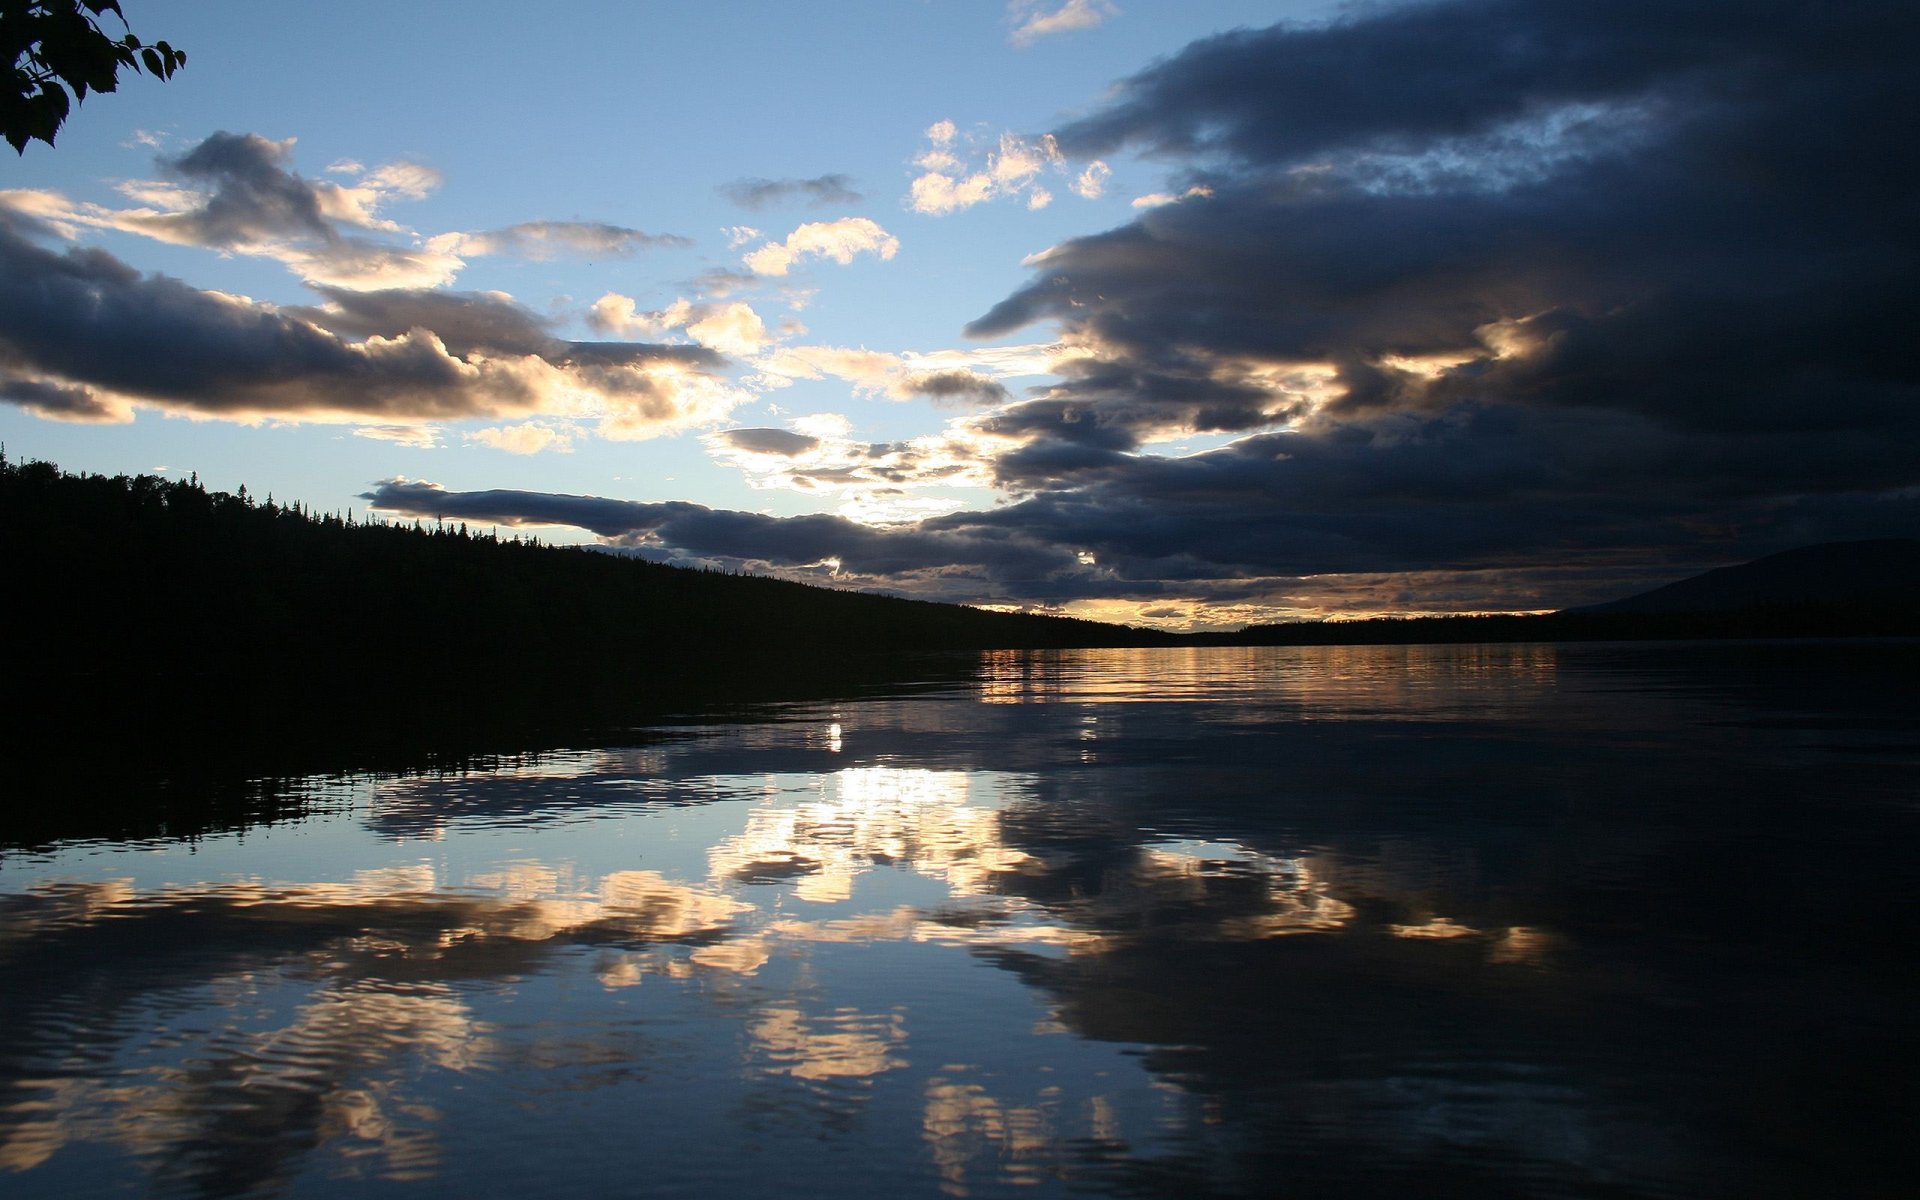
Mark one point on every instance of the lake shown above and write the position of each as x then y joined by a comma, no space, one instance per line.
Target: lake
1626,920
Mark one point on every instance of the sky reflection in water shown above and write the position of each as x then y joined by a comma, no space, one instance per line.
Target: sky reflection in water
1476,921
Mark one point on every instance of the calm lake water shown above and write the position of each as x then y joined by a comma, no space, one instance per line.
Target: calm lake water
1487,921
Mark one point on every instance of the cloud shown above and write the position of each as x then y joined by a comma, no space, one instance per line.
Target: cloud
770,193
958,375
1499,304
970,386
235,192
542,240
957,173
1092,182
463,322
1521,301
778,443
419,437
527,438
685,532
878,482
871,371
1035,22
1480,285
732,327
84,336
1156,199
61,401
839,241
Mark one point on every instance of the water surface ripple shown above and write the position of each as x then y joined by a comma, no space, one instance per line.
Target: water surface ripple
1527,921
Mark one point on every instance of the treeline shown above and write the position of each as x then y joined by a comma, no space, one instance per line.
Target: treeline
160,616
1777,621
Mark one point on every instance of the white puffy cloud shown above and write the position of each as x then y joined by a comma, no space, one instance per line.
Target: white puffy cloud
1035,22
838,240
359,203
938,194
525,438
620,316
959,172
1091,182
731,328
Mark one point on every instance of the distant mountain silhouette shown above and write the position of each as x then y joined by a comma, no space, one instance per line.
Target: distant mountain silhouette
1883,573
1841,589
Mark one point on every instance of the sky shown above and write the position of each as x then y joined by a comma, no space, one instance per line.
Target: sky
1189,315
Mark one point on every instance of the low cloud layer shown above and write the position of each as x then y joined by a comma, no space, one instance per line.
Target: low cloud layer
823,190
540,240
693,533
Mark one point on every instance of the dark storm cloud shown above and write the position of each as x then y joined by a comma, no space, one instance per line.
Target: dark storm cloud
768,441
687,531
626,354
767,193
240,194
484,322
88,318
1579,280
1116,405
253,197
465,321
82,321
56,401
966,386
1412,74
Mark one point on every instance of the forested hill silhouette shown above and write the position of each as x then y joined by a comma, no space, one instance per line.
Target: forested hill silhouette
1882,573
158,610
1838,589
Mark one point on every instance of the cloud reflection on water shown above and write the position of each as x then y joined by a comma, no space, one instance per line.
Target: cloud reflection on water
1234,944
316,1007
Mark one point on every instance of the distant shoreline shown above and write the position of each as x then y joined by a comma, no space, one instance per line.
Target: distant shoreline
164,631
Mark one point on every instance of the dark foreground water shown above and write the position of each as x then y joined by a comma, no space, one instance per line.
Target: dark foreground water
1609,921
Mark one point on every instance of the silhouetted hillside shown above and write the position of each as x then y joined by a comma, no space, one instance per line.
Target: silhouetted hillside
1841,589
1881,573
161,618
